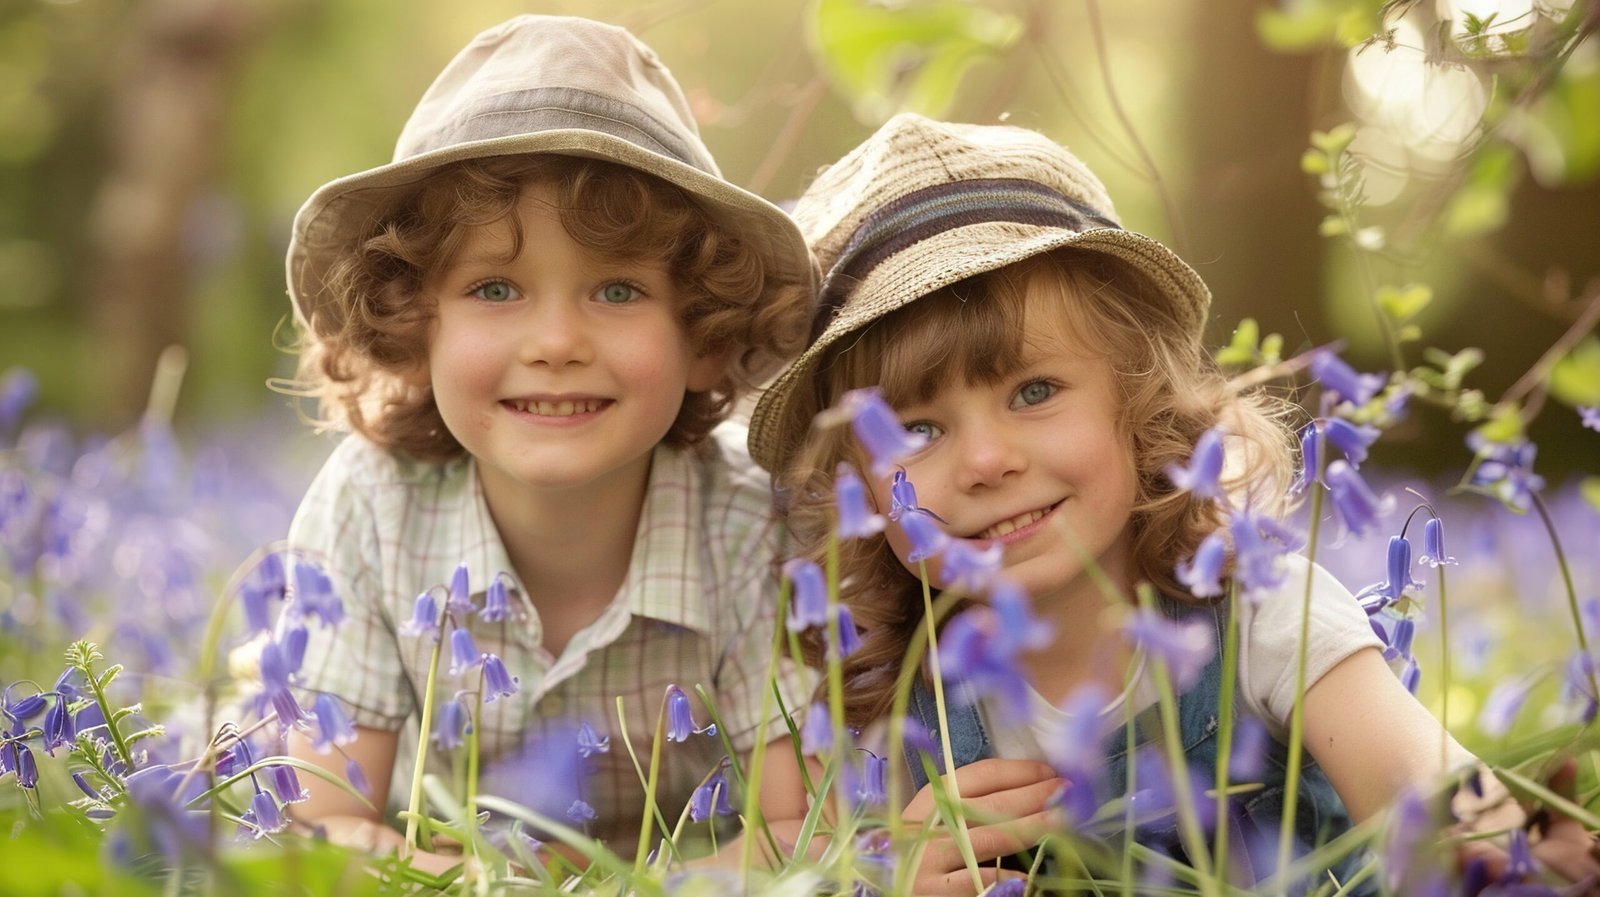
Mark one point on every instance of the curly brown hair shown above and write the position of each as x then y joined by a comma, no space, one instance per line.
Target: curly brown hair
1169,389
363,358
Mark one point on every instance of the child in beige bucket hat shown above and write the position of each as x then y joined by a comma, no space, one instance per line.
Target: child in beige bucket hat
1036,374
533,320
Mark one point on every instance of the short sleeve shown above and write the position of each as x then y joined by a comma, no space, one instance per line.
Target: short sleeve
1270,641
358,660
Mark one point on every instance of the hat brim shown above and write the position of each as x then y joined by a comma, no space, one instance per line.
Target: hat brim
342,209
783,413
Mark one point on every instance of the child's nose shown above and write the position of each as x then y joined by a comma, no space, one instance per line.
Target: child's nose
557,335
987,457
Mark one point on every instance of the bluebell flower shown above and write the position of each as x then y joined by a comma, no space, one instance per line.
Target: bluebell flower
926,538
84,786
971,650
459,600
357,778
915,736
1409,827
314,595
816,730
1410,675
590,742
1399,579
496,602
1590,417
450,723
1200,477
1184,646
1074,748
294,639
1202,574
1501,706
1520,864
8,757
275,685
498,683
808,606
286,784
1011,887
1016,626
1249,751
332,727
711,798
680,717
1259,547
880,430
1576,684
580,812
265,816
903,499
849,638
18,389
856,519
26,767
424,616
264,584
24,709
1433,553
58,728
1340,378
1310,457
1506,469
464,653
865,780
1350,439
1354,503
969,569
233,759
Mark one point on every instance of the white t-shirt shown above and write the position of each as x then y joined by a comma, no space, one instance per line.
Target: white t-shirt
1269,644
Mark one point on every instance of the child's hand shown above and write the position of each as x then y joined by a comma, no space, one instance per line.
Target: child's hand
1559,843
1007,807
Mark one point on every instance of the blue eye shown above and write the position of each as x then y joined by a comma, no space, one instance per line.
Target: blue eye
1032,393
619,293
494,291
926,429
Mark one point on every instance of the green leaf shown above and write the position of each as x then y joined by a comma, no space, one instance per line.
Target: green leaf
908,56
1241,349
1402,304
109,676
1575,378
1335,141
1314,162
1504,426
1589,488
1272,348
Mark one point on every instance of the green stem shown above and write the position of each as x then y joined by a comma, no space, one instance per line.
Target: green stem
1230,673
472,774
124,753
414,805
646,828
758,753
963,842
1297,722
835,663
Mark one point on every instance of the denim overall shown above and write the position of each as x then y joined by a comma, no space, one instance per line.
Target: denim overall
1255,815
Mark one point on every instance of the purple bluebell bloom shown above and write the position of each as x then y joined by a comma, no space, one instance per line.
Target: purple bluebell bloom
902,496
1433,544
590,742
459,600
1354,503
265,816
58,728
1074,748
28,708
8,757
680,717
969,569
1501,706
856,519
1350,439
1590,417
314,595
450,723
808,605
233,759
711,798
971,650
275,682
26,767
1507,470
927,539
293,640
1011,887
880,430
1200,477
580,812
1340,378
424,616
497,682
1259,546
866,782
1310,457
496,603
1576,684
1410,675
332,727
1399,580
1202,574
464,653
1520,864
265,584
357,778
849,638
18,389
816,731
1249,749
286,784
1184,646
1017,627
1409,826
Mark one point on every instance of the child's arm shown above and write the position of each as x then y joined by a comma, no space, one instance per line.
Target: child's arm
1373,738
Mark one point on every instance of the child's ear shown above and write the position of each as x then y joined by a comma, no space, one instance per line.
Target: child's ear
706,371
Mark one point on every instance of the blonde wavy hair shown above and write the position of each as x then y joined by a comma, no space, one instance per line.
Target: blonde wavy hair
1169,389
360,359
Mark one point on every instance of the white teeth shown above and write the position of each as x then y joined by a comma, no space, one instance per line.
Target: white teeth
1006,527
557,409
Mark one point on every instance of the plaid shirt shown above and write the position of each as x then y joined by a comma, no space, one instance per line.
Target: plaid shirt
697,607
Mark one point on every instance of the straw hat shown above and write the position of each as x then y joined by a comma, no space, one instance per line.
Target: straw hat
542,84
923,204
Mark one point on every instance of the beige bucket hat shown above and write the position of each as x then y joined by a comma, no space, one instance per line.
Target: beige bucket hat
542,84
923,204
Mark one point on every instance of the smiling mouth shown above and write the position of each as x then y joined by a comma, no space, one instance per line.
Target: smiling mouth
564,408
1007,527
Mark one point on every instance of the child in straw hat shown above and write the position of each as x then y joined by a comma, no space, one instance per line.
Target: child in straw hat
1044,376
532,322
